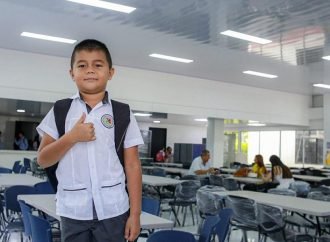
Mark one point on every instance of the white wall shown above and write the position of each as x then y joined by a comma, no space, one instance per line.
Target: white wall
178,133
44,78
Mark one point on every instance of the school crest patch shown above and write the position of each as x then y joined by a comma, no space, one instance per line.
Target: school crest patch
107,121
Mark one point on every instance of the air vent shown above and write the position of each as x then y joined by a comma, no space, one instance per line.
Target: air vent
312,55
159,115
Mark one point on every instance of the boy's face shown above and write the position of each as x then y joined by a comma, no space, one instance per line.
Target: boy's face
91,71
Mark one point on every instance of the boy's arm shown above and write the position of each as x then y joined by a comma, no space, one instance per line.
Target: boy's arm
134,185
51,150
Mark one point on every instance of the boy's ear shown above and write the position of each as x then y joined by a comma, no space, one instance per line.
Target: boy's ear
111,73
71,74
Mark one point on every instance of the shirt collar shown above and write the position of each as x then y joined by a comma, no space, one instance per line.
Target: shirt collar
105,99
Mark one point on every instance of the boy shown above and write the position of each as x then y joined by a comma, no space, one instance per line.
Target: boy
91,193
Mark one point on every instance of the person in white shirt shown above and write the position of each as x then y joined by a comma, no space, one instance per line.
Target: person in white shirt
91,193
201,165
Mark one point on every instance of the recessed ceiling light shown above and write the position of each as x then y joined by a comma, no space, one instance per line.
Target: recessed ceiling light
253,121
156,121
20,110
171,58
326,57
143,114
256,124
322,85
47,37
201,119
105,5
247,37
255,73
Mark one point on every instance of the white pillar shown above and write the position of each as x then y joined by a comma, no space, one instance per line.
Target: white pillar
326,124
215,140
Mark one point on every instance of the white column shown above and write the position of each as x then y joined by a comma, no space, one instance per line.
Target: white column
326,124
326,106
215,140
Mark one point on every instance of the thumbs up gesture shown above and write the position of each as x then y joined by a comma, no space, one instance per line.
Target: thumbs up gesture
83,132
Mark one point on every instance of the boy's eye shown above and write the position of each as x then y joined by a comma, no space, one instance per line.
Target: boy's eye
99,65
81,66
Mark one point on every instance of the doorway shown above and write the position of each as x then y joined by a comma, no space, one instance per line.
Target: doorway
158,140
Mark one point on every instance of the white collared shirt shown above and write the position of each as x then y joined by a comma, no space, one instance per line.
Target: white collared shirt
197,164
91,171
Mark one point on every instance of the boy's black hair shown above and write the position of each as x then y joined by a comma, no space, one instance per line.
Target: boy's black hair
90,45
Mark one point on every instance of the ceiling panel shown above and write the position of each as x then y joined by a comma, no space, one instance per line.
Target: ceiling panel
299,30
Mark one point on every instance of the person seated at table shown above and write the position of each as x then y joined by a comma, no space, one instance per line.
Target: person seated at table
160,156
259,167
168,155
201,165
279,173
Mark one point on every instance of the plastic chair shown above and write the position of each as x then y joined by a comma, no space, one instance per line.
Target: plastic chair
27,164
41,230
11,194
318,196
271,222
158,172
44,188
185,196
280,191
171,235
208,228
222,227
244,215
189,177
209,203
301,188
26,210
23,170
216,180
17,167
230,184
5,170
9,227
151,205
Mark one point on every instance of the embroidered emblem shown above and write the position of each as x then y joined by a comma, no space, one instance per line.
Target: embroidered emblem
107,121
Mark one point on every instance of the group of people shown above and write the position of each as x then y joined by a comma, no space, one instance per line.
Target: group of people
279,173
165,155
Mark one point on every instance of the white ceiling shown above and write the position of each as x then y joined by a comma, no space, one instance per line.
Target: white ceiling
190,29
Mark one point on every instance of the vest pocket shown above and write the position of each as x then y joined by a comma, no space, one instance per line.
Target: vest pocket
111,191
74,196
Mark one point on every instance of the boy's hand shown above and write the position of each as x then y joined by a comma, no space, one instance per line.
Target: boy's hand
83,132
132,229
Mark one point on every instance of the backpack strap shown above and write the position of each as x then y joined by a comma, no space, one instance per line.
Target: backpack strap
61,109
121,116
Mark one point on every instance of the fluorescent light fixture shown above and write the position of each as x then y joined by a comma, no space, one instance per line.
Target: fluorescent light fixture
326,57
156,121
253,121
105,5
247,37
171,58
322,85
20,110
201,119
255,73
47,37
142,114
256,124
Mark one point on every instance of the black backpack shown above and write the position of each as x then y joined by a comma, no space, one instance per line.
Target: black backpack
121,116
